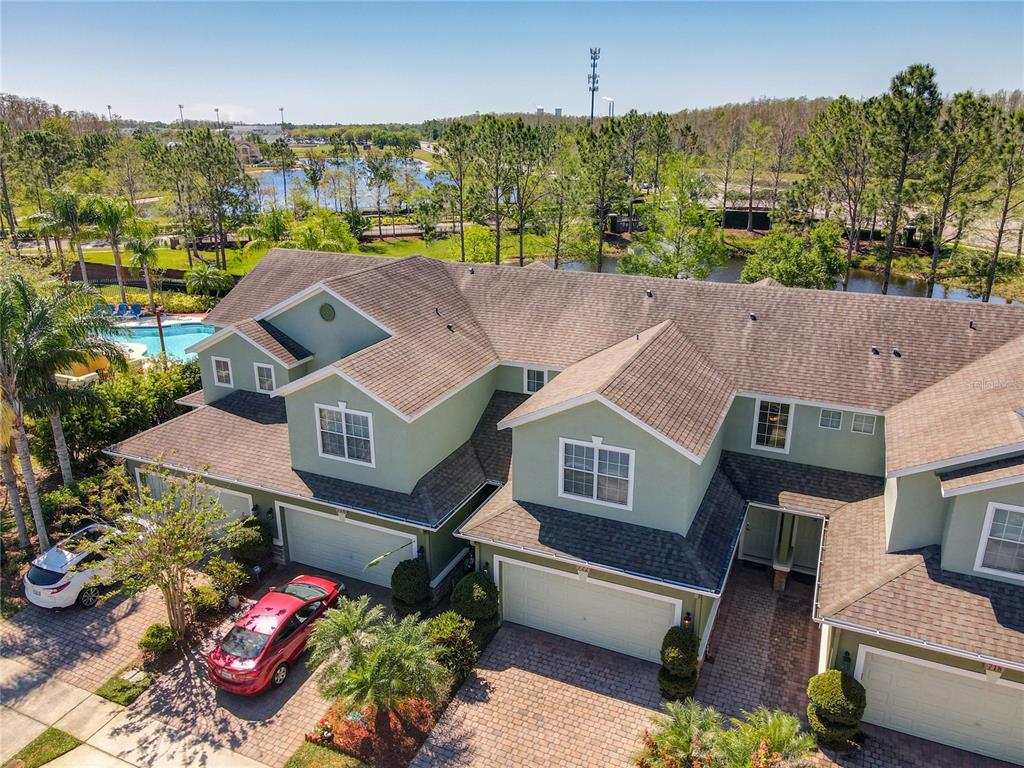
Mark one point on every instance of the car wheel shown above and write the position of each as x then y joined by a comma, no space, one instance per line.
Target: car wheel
280,674
88,597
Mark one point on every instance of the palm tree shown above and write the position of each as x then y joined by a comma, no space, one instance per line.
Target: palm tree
686,733
369,663
7,466
111,218
72,213
271,228
207,279
765,732
143,250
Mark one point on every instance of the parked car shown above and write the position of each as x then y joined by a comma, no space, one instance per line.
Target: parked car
261,647
65,575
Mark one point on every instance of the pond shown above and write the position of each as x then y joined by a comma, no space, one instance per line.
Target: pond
861,281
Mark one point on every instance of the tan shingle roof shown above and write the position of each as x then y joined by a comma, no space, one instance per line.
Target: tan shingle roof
976,409
990,472
908,595
658,376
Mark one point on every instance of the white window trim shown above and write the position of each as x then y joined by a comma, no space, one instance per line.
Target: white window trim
342,408
874,423
597,444
985,529
789,425
526,379
342,517
256,377
231,376
821,414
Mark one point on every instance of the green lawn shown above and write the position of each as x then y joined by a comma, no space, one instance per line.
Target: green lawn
120,691
49,745
176,258
311,755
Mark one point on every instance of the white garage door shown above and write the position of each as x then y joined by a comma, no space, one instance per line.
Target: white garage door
585,609
343,546
234,505
963,711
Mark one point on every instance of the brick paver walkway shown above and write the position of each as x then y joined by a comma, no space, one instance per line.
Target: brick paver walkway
81,647
269,727
541,700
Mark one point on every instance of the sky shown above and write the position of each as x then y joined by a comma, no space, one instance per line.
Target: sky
328,62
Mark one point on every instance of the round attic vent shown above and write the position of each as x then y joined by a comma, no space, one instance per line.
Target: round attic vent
327,312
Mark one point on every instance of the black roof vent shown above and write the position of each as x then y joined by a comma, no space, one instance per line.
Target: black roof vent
753,316
450,327
472,271
896,352
437,311
971,325
874,350
649,293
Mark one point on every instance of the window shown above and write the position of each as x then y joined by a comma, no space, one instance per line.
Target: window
1002,543
830,419
222,372
264,377
597,472
345,435
771,426
863,424
535,379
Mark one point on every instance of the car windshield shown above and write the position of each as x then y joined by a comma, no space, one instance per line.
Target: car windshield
244,643
42,577
304,591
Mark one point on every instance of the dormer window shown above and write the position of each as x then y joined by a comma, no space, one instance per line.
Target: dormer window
771,426
863,424
344,435
535,379
222,372
1002,542
596,472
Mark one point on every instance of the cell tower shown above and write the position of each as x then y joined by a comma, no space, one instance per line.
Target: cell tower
595,54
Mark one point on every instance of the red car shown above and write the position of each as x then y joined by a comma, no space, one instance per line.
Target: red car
259,650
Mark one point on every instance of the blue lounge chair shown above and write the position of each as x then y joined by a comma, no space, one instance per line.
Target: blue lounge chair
98,310
110,309
122,310
136,310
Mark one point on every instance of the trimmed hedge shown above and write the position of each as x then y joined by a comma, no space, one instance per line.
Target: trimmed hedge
410,585
475,597
676,687
157,639
677,677
203,599
246,540
452,634
837,703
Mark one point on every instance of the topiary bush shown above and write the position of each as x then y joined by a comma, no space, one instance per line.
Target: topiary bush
836,705
226,576
475,597
452,633
676,687
157,639
410,585
246,540
203,599
677,677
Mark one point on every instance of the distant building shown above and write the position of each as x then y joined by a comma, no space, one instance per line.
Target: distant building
249,152
558,111
270,132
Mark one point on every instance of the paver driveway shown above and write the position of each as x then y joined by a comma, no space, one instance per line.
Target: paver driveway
267,728
541,700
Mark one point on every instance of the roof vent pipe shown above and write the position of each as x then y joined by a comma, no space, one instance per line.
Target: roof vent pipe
753,316
649,293
874,350
437,311
896,352
472,271
970,324
450,327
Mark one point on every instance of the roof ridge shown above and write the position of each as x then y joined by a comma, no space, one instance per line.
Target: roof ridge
658,328
385,261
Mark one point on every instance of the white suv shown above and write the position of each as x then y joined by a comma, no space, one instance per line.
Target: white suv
64,575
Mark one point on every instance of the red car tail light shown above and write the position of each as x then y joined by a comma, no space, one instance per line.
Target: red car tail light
60,587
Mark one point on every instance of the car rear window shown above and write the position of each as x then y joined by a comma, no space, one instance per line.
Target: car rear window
304,591
42,577
244,643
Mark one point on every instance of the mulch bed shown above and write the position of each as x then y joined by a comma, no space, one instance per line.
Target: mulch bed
383,740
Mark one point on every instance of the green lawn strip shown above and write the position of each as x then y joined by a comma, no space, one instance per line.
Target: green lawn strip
311,755
49,745
120,691
10,605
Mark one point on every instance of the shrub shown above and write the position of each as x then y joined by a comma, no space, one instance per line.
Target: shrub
676,687
837,703
679,651
226,576
452,633
246,540
203,599
410,584
157,639
475,597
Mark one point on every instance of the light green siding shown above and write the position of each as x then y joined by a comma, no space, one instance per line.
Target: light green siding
403,451
965,525
328,341
809,443
242,355
667,487
511,378
915,512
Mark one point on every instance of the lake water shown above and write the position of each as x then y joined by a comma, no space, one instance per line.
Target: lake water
861,281
365,196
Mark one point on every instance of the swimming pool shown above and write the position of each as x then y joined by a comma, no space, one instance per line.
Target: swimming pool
177,337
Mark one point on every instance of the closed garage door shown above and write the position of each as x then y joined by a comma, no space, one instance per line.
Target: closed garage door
343,546
963,711
234,504
586,609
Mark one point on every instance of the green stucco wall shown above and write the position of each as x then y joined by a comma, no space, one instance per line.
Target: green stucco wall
667,487
965,525
328,341
510,378
403,452
915,512
809,443
242,355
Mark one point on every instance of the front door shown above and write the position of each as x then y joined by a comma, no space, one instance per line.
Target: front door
759,534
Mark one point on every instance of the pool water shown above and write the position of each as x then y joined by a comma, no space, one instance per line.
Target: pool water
177,337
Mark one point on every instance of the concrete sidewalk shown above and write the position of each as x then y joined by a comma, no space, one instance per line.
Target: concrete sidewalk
112,736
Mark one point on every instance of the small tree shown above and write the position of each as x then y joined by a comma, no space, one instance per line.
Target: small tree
163,540
803,261
207,279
